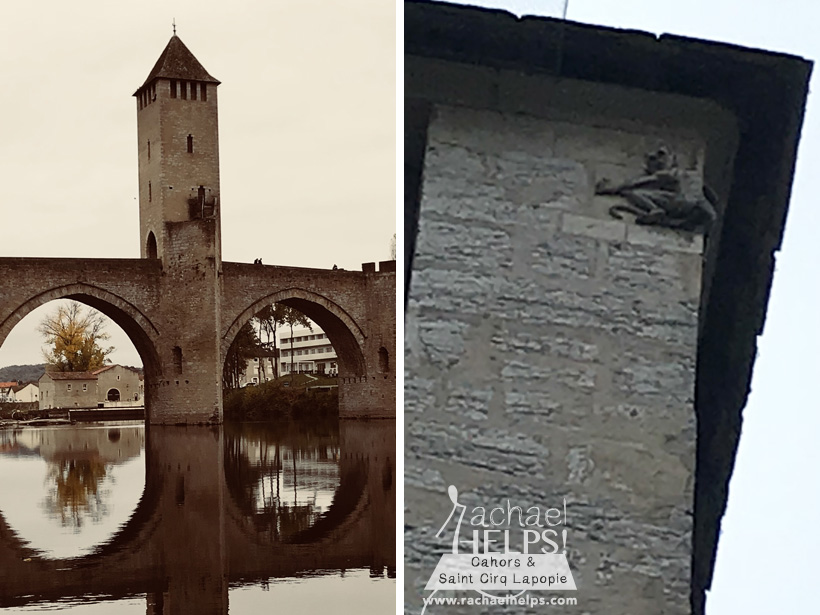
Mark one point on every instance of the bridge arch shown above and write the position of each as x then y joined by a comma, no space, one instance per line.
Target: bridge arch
344,333
139,328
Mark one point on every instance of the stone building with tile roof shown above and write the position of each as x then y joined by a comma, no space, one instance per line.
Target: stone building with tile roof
110,385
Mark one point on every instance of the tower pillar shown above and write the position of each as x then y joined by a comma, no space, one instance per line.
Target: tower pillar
177,126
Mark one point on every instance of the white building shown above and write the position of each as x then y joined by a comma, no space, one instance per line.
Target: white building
7,392
258,370
28,392
309,351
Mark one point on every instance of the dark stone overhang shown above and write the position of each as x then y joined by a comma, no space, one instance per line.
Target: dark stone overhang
767,93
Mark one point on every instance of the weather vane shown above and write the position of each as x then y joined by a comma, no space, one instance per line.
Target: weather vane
174,25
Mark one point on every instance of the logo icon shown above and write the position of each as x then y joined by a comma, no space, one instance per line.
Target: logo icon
489,561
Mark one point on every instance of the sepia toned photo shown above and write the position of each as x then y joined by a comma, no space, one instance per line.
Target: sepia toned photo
198,308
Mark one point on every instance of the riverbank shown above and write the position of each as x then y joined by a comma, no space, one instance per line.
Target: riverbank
30,411
280,398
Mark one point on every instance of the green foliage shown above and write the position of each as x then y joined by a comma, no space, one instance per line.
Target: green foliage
271,400
74,334
75,495
244,346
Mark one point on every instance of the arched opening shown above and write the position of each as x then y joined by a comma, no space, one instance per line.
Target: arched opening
132,332
151,246
312,355
83,462
342,332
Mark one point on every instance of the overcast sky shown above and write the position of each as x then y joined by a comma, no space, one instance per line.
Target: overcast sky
306,126
767,557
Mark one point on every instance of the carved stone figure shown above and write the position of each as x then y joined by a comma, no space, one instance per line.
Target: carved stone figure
657,198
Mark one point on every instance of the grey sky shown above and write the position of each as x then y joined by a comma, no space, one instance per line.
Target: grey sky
767,556
306,122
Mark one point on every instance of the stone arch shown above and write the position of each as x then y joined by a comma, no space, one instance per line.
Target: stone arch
139,328
342,330
113,394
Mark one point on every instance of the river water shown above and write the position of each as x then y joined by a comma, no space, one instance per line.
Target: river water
245,519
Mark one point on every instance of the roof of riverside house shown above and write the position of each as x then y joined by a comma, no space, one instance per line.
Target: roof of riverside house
6,385
766,91
71,375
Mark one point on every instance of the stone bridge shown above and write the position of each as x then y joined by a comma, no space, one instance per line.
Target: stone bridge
187,502
355,309
179,303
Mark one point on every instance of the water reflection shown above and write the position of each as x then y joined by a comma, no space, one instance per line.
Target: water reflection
262,516
284,476
57,485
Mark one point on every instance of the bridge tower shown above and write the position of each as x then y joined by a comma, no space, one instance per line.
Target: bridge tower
179,204
178,149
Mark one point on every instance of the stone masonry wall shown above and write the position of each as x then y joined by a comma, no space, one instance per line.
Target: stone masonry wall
357,310
550,353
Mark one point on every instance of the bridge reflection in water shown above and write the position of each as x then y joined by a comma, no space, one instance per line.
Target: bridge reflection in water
250,508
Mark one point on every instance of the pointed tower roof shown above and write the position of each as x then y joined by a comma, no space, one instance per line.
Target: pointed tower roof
177,62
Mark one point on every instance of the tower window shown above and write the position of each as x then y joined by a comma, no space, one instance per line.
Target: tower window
190,144
177,359
150,196
173,88
183,89
151,246
149,150
203,91
193,90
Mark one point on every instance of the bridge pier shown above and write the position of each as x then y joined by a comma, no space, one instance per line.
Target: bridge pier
189,388
192,510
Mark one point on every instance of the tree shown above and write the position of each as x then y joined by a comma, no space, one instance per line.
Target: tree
75,495
269,319
244,346
75,335
292,317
